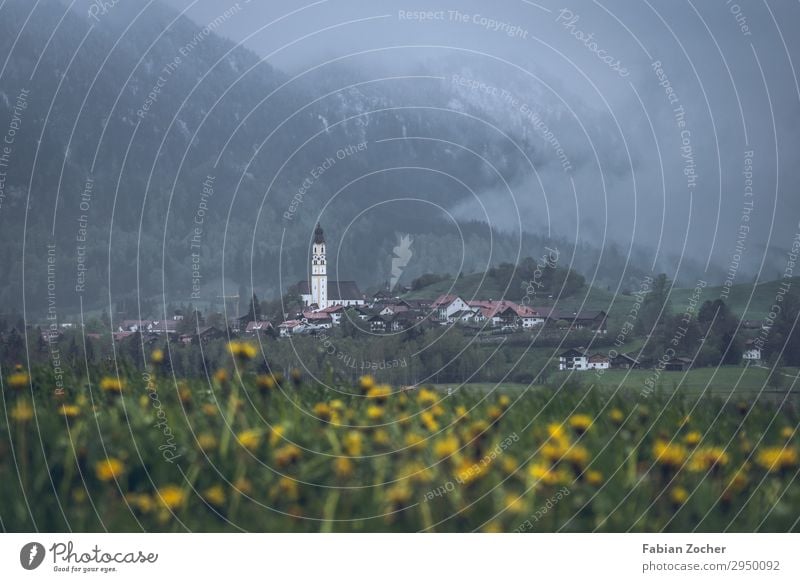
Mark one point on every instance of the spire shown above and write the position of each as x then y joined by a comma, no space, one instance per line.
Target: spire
319,237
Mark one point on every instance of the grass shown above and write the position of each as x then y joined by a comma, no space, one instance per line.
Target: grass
251,452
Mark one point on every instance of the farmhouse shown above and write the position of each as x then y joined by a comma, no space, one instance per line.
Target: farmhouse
573,359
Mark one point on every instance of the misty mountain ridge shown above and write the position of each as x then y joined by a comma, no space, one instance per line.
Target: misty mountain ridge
143,111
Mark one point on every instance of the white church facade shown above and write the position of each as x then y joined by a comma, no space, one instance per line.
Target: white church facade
321,293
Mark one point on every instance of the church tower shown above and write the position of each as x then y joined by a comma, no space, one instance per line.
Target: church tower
319,274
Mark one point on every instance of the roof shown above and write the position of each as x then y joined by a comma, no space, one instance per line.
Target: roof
337,290
319,236
317,315
290,323
258,326
444,300
572,352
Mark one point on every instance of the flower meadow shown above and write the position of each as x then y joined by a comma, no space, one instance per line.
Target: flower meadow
248,451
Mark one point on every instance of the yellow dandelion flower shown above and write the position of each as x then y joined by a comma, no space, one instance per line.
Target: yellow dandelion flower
415,441
556,431
22,411
322,411
286,455
69,411
777,459
157,356
289,488
494,413
343,467
678,495
353,443
787,432
616,416
379,393
374,413
504,401
398,494
276,435
509,465
514,503
171,496
446,447
265,382
577,456
468,472
243,485
18,380
112,385
580,423
461,412
108,469
381,438
427,397
593,478
669,455
708,458
366,383
221,376
693,438
249,439
429,421
215,495
544,473
141,502
207,442
210,409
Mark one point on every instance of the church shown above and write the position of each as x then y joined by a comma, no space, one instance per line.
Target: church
322,293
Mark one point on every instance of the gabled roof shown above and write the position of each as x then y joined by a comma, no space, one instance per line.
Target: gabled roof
572,352
254,326
444,300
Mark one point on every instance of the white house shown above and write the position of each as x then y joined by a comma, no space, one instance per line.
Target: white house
752,353
573,359
447,305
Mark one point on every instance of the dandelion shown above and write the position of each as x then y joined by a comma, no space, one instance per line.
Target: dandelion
494,413
616,416
446,447
556,431
171,496
207,442
593,478
693,438
22,412
69,411
108,469
669,455
398,495
415,441
343,467
287,455
265,383
366,383
504,401
708,458
787,432
157,356
112,385
381,438
322,411
429,421
141,502
580,423
242,350
427,397
544,473
777,459
460,413
514,503
678,495
18,380
288,488
276,434
215,495
374,413
297,376
221,376
249,439
352,443
210,409
243,485
577,456
379,393
416,472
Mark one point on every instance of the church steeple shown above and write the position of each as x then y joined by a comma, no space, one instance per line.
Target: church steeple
319,237
319,275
